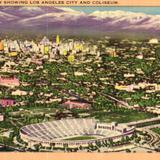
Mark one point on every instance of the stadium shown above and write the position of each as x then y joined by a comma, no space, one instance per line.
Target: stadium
73,132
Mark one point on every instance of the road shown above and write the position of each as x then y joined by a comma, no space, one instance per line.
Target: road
154,141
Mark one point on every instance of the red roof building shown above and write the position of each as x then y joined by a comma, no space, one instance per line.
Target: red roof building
7,81
7,102
75,104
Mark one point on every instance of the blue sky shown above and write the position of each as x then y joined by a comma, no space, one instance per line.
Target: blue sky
147,10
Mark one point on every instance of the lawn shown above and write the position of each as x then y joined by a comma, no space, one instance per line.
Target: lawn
121,117
81,138
156,130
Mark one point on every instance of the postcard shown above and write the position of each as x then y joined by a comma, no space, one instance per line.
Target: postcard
79,79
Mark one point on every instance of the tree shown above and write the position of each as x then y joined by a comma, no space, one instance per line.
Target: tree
128,150
80,147
157,53
110,142
11,136
37,147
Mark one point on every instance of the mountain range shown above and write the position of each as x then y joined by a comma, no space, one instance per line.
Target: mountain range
66,20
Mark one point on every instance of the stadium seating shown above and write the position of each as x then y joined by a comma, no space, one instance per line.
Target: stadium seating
60,130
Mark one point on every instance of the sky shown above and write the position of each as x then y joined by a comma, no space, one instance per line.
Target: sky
146,10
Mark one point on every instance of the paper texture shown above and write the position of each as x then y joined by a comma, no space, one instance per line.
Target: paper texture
79,79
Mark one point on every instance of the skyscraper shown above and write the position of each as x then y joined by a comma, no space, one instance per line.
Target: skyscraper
1,46
57,39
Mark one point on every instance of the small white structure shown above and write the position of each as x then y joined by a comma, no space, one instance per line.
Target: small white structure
1,117
19,93
153,41
140,56
129,75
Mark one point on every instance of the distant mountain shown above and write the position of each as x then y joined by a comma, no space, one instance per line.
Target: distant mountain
128,20
59,16
24,12
71,21
5,17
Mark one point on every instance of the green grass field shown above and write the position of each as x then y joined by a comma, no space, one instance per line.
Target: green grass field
121,117
81,138
156,130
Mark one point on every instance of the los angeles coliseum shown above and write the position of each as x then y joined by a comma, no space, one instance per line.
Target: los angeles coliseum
57,132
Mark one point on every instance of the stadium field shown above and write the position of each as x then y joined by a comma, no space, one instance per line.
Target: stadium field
81,138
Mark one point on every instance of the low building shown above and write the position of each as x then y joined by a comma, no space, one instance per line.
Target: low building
149,87
129,75
36,61
153,41
7,102
140,56
76,105
9,81
19,93
128,88
1,117
79,73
